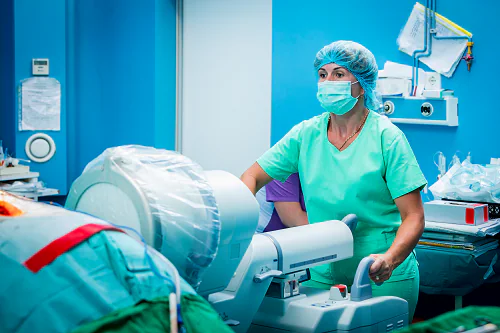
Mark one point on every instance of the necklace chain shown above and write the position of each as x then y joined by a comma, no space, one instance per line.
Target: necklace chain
353,134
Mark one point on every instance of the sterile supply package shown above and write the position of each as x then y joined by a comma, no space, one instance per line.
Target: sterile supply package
456,212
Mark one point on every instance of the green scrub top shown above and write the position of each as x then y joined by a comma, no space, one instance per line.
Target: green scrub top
363,179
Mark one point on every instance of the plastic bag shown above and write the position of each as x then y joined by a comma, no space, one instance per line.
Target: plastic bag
19,186
470,182
184,211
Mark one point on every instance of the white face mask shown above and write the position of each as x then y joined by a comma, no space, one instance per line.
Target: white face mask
336,97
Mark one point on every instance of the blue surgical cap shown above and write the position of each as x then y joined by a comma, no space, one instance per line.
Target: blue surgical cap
358,60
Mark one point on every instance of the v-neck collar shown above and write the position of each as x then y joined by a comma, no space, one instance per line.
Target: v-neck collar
356,139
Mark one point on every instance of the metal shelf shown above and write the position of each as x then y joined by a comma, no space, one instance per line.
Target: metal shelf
34,195
19,176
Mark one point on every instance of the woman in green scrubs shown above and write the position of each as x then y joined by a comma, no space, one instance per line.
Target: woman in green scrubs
352,160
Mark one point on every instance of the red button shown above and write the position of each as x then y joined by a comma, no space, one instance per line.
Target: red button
341,287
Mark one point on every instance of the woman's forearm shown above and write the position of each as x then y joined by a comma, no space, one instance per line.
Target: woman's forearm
406,239
255,178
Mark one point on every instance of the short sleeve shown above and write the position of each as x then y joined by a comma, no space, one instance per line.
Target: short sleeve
281,160
289,191
402,174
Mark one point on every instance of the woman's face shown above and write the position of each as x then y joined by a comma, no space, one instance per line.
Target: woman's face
334,72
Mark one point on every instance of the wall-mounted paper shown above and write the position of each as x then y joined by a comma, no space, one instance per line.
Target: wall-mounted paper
40,104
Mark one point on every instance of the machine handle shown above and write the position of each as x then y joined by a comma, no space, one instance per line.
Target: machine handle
351,221
258,278
361,287
231,322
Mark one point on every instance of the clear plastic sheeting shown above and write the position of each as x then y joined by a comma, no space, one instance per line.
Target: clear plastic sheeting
19,186
470,182
185,218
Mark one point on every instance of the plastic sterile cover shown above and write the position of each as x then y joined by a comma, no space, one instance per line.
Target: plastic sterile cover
182,204
467,181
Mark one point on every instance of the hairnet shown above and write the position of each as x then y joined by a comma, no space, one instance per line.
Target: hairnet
358,60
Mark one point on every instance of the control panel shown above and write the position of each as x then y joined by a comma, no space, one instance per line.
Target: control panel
424,111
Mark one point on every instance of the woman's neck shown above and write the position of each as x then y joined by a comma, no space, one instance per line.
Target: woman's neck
345,125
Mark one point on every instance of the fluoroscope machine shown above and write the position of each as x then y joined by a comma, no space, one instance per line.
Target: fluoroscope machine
204,222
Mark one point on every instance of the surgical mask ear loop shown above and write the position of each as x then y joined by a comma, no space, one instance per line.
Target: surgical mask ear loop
352,83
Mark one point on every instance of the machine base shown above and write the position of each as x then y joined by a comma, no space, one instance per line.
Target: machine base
313,311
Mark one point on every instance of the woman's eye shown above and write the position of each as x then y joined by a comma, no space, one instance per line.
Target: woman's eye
339,75
322,75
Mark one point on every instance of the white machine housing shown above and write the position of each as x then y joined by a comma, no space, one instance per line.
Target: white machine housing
324,243
238,211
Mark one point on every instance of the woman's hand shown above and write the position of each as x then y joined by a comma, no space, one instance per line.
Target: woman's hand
381,269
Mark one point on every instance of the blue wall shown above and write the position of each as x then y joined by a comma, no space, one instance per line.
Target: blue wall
7,88
115,60
165,74
123,71
301,28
